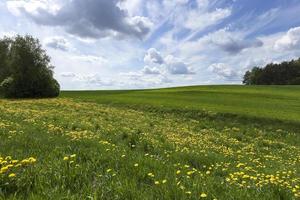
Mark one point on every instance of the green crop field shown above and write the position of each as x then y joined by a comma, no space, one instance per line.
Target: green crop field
200,142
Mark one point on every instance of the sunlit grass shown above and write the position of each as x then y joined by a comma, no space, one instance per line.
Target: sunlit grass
70,149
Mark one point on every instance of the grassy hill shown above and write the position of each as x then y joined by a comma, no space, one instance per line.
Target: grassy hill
202,142
268,102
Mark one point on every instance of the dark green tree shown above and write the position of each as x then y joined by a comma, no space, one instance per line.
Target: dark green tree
27,70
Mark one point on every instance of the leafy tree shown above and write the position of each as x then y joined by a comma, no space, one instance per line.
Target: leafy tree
26,69
4,49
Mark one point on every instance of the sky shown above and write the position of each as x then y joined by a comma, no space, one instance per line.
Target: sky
136,44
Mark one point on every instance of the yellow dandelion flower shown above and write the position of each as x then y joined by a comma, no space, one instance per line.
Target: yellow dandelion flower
11,175
73,156
203,195
66,158
108,170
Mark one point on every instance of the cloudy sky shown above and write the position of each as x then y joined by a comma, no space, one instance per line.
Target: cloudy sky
123,44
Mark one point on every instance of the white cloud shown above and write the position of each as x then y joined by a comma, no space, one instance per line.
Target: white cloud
153,57
176,66
57,43
67,74
224,71
200,20
289,41
150,70
90,59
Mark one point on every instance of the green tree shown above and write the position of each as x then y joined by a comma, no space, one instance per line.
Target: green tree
30,73
4,49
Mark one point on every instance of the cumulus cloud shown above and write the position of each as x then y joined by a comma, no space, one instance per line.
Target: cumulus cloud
176,66
150,70
223,71
91,19
170,64
57,43
289,41
153,57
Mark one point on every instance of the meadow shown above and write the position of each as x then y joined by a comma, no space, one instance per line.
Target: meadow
201,142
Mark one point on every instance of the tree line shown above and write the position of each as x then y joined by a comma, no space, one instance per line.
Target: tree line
285,73
25,69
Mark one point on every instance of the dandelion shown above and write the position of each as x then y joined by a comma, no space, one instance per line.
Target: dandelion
73,156
66,158
178,172
136,165
203,195
108,170
11,175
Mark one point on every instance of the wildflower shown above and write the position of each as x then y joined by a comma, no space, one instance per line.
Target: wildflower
73,156
136,164
188,192
164,181
32,160
11,175
156,182
123,156
203,195
190,172
108,170
207,172
66,158
178,172
151,174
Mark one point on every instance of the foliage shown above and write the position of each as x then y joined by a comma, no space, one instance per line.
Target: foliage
25,69
83,147
285,73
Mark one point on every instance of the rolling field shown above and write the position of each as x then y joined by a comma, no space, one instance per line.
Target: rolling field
202,142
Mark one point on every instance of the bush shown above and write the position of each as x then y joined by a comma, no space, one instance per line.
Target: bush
25,70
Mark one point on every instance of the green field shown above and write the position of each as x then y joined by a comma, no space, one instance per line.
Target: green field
201,142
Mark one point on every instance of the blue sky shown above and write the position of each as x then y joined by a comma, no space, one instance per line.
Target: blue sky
124,44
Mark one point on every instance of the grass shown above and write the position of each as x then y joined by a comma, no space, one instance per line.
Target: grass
208,142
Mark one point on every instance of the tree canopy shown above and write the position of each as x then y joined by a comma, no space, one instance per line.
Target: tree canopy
285,73
25,69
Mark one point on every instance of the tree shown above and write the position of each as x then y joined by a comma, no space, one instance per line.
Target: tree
27,71
4,49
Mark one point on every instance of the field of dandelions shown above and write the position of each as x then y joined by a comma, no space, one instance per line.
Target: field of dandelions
70,149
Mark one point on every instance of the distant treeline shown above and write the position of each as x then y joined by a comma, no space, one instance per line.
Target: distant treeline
285,73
